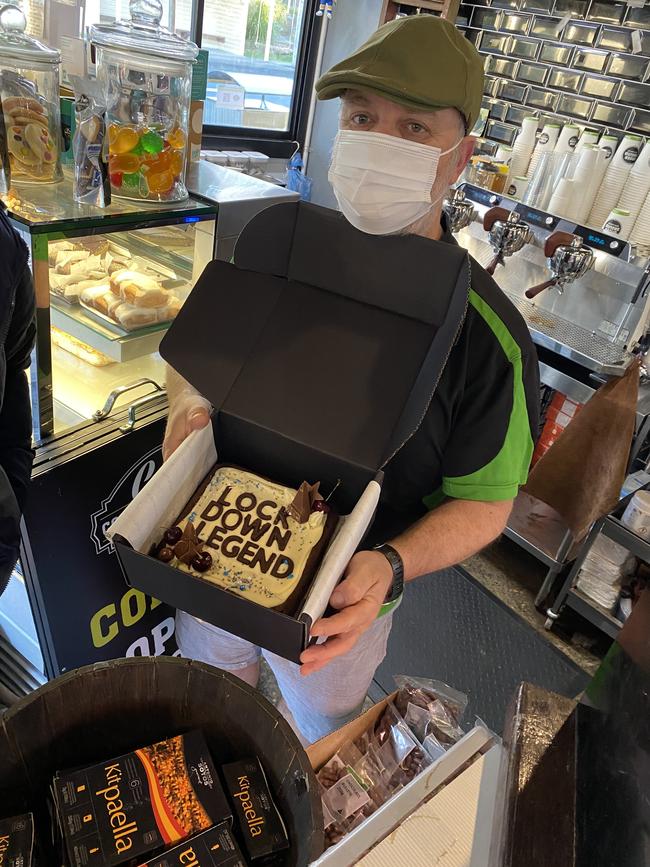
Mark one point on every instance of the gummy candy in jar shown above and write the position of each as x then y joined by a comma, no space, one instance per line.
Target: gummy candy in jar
30,101
146,71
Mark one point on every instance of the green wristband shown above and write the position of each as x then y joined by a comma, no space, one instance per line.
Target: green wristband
387,607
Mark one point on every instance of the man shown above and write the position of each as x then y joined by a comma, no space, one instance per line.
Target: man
409,97
17,333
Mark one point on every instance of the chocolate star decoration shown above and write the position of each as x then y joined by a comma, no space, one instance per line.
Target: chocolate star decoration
189,545
300,508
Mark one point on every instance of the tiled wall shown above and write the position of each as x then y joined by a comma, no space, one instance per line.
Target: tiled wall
581,60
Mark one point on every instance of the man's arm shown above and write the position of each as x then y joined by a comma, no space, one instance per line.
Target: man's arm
188,411
446,536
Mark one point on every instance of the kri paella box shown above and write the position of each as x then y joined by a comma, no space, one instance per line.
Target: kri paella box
216,847
319,349
261,826
17,841
127,808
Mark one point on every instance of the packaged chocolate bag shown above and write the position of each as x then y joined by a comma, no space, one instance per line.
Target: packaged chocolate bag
432,710
136,805
364,774
17,841
261,826
216,847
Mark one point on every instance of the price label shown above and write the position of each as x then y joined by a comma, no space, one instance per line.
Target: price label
482,197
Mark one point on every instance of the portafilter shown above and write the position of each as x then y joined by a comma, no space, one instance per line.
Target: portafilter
568,260
507,233
459,211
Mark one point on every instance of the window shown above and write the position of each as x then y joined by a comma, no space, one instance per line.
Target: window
177,14
254,67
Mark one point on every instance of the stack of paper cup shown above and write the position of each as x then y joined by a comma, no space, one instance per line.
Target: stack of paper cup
546,142
637,185
563,199
503,154
523,147
616,175
568,139
517,187
619,223
608,145
587,176
588,137
640,234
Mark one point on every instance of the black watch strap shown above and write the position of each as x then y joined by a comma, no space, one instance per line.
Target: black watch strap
397,565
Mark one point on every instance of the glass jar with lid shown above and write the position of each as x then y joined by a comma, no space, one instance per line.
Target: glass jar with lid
29,90
147,75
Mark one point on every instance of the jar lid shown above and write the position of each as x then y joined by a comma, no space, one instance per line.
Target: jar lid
144,34
17,45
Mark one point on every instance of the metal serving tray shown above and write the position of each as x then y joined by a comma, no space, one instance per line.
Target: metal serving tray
634,94
574,8
641,121
514,23
513,92
486,19
501,66
615,39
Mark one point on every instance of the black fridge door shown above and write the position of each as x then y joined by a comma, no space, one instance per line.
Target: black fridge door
83,609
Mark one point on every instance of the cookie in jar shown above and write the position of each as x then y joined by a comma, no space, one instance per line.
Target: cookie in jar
29,95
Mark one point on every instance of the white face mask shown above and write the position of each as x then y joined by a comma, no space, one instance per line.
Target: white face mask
381,182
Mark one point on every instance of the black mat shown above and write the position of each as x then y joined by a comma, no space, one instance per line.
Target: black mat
451,628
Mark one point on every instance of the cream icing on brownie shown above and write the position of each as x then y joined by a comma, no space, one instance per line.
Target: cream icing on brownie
258,549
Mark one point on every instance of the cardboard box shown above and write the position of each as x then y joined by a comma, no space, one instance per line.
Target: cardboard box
389,816
17,841
137,804
320,366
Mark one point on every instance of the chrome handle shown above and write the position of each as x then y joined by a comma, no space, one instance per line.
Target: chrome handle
118,392
135,406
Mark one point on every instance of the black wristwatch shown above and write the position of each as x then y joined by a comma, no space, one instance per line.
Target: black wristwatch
397,565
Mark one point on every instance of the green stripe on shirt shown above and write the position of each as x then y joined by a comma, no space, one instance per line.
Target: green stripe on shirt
501,478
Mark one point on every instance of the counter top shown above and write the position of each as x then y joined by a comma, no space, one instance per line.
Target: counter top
220,184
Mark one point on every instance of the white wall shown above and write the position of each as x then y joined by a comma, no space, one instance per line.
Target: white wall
351,25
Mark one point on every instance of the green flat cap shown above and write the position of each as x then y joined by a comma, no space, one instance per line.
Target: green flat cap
421,61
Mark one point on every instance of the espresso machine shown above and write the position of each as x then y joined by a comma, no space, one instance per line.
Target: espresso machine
585,298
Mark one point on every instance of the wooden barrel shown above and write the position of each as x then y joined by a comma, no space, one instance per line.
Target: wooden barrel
107,709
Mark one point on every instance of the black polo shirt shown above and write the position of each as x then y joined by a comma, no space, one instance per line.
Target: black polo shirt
477,438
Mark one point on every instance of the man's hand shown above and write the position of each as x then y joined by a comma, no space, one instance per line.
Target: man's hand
358,599
187,412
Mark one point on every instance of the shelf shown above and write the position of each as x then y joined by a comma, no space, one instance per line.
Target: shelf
57,212
592,612
75,321
614,529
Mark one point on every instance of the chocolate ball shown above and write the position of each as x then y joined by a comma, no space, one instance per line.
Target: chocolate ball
173,535
166,554
201,562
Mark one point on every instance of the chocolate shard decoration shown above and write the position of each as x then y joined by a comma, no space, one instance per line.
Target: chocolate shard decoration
302,504
189,545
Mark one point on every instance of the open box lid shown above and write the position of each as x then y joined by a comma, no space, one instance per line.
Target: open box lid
321,333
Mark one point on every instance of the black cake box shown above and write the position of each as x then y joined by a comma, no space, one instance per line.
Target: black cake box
319,349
